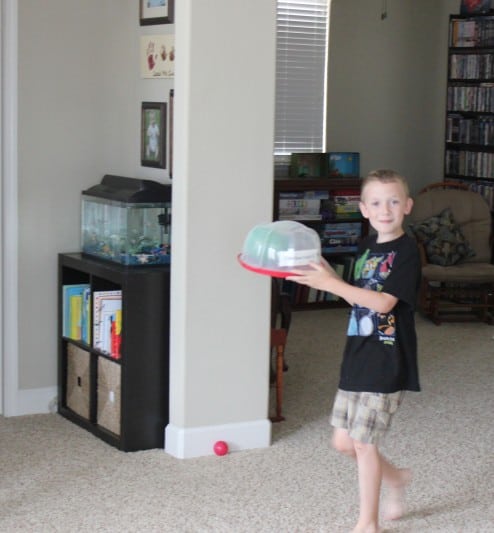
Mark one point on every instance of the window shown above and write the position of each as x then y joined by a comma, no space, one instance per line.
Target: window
301,76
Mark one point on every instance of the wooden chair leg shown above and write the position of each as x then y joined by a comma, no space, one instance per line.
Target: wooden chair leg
278,341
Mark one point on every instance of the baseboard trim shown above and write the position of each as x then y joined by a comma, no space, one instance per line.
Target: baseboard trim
35,401
186,443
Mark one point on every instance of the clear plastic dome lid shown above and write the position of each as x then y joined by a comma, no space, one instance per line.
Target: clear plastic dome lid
279,247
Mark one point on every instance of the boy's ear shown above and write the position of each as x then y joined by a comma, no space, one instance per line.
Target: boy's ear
363,209
408,206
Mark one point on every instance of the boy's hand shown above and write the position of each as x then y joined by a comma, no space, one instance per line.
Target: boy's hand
318,277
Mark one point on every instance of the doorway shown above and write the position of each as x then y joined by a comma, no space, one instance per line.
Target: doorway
8,209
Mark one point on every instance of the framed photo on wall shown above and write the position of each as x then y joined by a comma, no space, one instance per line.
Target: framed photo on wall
153,134
157,56
156,12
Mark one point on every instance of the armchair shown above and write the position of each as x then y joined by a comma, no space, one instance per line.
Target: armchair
453,226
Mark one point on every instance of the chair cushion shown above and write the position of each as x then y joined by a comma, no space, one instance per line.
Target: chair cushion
443,239
464,272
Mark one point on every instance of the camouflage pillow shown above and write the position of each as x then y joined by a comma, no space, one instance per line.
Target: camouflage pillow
443,239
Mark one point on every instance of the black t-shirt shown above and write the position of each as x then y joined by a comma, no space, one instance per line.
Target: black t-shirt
381,349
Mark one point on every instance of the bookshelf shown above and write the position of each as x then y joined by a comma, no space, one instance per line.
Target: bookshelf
330,206
118,391
469,143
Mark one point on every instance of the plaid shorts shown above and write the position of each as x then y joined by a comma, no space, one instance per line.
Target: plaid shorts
365,415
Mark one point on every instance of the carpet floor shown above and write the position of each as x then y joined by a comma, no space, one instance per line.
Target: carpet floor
56,477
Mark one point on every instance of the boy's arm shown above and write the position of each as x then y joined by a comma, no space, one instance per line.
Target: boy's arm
324,278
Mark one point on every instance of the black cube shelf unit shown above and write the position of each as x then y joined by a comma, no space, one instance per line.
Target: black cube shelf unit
122,401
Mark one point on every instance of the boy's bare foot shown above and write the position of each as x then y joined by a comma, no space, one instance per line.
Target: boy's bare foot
394,503
367,529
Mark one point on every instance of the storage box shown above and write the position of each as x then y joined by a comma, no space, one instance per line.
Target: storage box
127,220
109,395
78,375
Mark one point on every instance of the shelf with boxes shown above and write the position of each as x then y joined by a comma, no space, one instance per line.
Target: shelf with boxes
331,207
118,390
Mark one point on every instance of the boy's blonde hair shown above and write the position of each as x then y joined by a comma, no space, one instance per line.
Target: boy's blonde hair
384,175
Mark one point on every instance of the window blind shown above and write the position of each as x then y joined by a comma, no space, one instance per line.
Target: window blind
301,74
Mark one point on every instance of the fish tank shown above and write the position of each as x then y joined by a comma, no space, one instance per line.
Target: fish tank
127,221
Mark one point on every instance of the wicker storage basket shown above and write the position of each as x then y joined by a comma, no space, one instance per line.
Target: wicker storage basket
78,385
109,392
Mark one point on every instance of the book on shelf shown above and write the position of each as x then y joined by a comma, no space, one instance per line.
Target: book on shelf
74,318
469,164
299,206
343,203
340,237
308,195
349,263
107,323
339,268
300,216
312,295
471,32
484,187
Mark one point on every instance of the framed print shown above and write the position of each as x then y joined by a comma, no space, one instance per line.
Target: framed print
170,134
157,56
156,12
153,134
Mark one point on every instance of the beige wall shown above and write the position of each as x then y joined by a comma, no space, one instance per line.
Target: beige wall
79,111
387,82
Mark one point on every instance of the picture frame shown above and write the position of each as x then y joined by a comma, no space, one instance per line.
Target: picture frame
342,164
153,134
306,164
157,56
153,12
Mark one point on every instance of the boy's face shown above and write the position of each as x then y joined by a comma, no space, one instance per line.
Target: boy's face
385,205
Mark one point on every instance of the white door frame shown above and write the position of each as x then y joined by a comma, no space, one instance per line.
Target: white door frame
9,355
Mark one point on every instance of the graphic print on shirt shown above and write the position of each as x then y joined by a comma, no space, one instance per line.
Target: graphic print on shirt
371,270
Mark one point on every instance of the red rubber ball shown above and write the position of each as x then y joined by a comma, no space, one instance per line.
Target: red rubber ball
220,447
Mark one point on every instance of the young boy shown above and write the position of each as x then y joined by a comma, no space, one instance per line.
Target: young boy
380,357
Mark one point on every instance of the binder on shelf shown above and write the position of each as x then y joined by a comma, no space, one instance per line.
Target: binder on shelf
86,316
75,312
73,315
